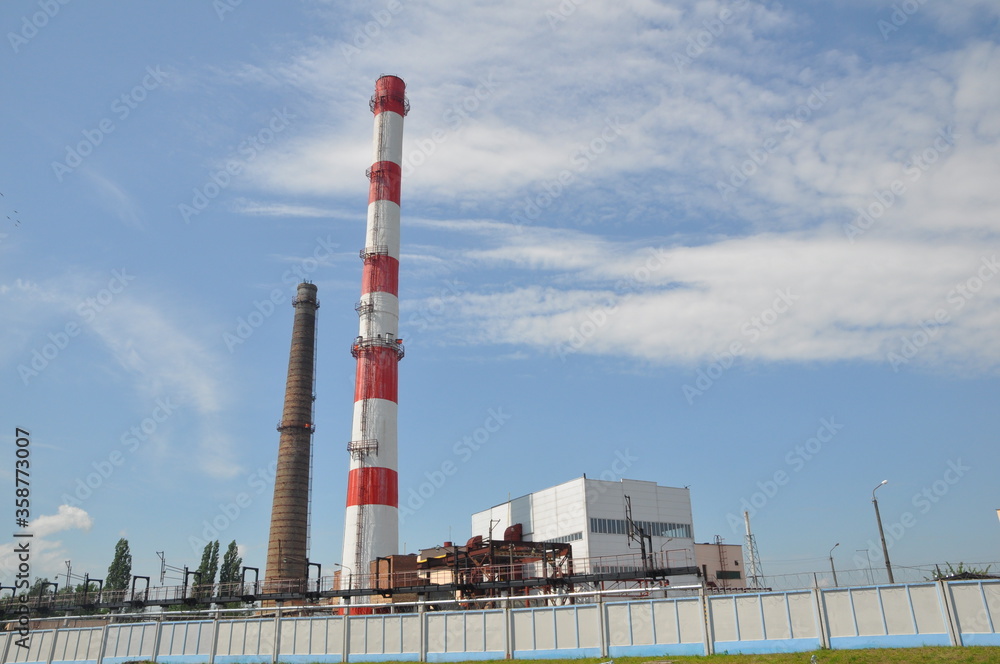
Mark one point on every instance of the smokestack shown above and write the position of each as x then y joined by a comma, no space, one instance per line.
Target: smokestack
288,543
371,526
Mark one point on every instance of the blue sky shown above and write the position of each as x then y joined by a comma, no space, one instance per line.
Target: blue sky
747,247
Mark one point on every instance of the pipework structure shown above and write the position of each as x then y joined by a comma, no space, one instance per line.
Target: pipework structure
371,526
288,541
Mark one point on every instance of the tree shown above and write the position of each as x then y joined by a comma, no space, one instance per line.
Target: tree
231,573
231,564
209,565
120,570
36,587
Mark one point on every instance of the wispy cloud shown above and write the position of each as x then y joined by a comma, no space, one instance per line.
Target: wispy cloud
260,209
688,129
747,152
114,197
148,342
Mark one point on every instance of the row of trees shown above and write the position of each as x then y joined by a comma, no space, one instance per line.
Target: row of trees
232,564
119,576
120,571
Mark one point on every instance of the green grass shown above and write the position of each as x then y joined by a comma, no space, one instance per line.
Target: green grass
974,655
946,655
873,656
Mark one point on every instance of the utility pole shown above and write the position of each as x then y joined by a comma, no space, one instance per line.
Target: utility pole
832,568
881,533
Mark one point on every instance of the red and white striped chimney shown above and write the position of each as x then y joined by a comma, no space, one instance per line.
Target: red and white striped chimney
371,527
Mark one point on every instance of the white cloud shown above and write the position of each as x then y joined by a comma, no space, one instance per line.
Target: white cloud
685,127
800,298
46,555
66,518
913,143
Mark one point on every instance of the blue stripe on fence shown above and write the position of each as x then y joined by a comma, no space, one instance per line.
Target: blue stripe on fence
889,641
557,653
656,650
465,656
768,646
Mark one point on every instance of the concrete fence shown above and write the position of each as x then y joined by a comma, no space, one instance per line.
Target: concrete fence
953,613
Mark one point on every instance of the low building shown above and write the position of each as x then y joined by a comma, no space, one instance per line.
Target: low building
593,516
721,565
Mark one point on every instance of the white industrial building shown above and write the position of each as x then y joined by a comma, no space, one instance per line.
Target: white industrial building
591,515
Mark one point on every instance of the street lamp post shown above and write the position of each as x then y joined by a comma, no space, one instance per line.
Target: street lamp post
881,533
832,568
666,556
350,575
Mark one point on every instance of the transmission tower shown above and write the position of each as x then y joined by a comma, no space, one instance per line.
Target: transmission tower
755,575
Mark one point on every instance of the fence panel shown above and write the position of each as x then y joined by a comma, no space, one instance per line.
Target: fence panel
39,644
465,635
802,614
885,617
243,640
655,627
129,641
930,614
318,639
80,644
385,637
556,632
188,641
762,622
977,611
